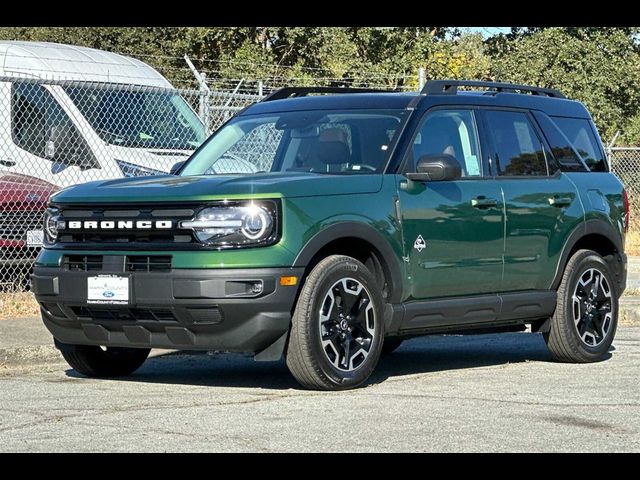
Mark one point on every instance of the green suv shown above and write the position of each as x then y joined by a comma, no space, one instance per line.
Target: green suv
326,225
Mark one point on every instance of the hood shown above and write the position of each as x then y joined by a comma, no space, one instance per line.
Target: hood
197,188
156,159
24,190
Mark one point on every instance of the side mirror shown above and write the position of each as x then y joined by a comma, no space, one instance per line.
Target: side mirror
176,166
65,148
62,142
436,168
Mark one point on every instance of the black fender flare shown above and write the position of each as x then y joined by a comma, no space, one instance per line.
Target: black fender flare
362,231
589,227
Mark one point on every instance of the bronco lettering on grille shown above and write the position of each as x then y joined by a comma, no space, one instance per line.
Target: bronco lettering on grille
120,225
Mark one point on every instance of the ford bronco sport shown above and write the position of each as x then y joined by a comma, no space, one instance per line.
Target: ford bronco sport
354,220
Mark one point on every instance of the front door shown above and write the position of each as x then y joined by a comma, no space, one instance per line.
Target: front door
453,231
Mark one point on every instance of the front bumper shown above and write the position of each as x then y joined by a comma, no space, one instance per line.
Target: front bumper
178,309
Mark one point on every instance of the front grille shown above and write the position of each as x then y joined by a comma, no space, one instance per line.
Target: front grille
148,263
125,314
122,238
82,263
14,225
132,263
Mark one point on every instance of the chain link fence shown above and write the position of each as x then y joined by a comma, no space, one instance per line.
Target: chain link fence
625,163
63,128
71,115
57,133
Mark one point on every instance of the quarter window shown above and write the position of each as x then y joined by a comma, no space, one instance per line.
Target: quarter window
567,159
518,150
580,134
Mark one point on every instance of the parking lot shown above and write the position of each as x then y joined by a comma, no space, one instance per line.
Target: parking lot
478,393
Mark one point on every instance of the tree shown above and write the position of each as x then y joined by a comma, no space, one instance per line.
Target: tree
600,67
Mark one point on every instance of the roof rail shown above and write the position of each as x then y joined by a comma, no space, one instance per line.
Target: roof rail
450,87
288,92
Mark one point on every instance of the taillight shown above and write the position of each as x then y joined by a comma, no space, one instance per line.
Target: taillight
627,218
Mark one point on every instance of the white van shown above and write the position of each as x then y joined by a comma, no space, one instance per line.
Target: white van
73,114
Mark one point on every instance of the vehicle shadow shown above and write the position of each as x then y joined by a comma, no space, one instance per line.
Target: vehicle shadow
419,355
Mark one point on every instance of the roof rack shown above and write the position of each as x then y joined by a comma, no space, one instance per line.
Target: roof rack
288,92
450,87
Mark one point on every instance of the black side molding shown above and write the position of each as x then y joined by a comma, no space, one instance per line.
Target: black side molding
460,313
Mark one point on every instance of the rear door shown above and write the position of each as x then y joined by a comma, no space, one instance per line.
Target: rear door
542,205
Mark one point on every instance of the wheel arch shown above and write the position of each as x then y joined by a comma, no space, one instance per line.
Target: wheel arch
360,241
601,237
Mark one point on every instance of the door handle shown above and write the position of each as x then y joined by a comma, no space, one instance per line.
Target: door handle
560,201
483,202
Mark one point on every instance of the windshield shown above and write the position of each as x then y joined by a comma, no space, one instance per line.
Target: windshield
139,119
321,141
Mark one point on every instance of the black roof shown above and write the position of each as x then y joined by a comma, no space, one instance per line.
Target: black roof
551,103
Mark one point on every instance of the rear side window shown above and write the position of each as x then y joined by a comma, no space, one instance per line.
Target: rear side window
566,158
583,139
518,150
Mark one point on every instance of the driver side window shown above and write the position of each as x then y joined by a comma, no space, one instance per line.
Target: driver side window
450,132
40,126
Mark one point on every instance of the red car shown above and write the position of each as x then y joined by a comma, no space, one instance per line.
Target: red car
23,200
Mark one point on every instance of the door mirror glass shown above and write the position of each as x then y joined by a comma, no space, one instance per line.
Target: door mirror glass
436,168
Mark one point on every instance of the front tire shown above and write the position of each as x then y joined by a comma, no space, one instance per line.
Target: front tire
337,327
93,361
586,316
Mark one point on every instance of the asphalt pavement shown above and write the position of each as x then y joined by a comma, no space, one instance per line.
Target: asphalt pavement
445,393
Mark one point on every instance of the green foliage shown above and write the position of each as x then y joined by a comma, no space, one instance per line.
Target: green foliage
599,66
631,134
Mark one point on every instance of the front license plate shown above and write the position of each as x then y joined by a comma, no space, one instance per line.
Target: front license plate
34,238
108,289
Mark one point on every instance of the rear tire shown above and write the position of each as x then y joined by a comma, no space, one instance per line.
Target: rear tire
586,317
93,361
337,327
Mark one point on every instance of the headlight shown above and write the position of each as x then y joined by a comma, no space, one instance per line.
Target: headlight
133,170
52,224
236,224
